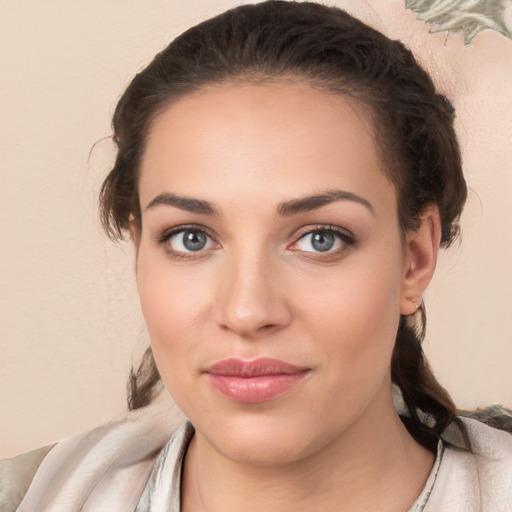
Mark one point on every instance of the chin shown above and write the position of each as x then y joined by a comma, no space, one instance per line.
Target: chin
263,451
259,440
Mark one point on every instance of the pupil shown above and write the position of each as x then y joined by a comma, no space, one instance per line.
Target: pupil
323,241
194,240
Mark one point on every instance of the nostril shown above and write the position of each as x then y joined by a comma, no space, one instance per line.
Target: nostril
248,332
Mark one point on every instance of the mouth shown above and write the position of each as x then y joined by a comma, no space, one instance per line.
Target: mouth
255,381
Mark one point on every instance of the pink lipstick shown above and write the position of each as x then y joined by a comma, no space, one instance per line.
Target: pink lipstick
254,381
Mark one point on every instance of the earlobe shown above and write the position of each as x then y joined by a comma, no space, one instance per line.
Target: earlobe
422,247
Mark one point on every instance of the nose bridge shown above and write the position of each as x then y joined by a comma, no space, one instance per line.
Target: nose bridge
249,298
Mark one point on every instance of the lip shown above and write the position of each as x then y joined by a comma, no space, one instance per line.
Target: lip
254,381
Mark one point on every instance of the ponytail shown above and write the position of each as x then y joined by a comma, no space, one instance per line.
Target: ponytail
429,407
144,384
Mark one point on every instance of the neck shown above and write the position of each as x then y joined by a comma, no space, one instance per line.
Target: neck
373,465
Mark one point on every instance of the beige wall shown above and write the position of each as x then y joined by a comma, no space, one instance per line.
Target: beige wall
69,319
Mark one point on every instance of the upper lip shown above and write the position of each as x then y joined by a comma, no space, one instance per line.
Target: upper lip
254,368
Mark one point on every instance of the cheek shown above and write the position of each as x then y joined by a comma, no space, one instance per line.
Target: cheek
353,315
361,294
174,305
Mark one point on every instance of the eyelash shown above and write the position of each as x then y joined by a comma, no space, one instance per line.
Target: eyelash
344,236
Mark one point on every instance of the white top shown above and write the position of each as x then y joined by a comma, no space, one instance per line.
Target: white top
162,491
130,464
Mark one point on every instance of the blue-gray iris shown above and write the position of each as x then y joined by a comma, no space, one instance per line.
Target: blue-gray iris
194,240
322,241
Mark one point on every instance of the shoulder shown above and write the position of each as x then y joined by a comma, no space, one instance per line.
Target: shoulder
93,468
479,480
16,475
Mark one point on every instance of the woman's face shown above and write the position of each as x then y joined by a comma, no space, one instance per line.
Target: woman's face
269,231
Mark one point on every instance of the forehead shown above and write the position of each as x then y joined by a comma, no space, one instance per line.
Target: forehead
273,141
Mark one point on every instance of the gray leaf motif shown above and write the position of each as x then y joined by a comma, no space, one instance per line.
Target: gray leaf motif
468,17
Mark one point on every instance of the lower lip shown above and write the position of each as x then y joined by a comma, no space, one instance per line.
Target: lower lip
255,389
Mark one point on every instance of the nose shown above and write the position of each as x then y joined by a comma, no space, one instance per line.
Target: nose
251,299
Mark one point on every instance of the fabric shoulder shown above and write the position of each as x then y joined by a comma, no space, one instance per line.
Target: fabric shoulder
105,468
475,480
16,474
495,416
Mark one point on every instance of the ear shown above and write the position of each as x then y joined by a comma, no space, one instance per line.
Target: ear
422,246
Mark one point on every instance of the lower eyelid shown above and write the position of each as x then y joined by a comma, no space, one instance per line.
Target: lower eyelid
320,257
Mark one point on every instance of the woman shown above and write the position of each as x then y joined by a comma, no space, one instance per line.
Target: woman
287,176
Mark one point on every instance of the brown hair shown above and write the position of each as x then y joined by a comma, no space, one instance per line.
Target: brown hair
328,49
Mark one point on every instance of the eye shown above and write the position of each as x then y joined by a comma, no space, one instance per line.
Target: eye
318,241
187,241
323,240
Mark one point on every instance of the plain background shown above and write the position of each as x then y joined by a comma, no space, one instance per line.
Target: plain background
70,325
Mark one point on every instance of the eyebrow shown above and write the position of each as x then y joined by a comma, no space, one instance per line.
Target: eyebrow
183,203
285,209
314,202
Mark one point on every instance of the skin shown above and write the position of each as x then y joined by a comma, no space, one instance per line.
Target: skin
259,288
